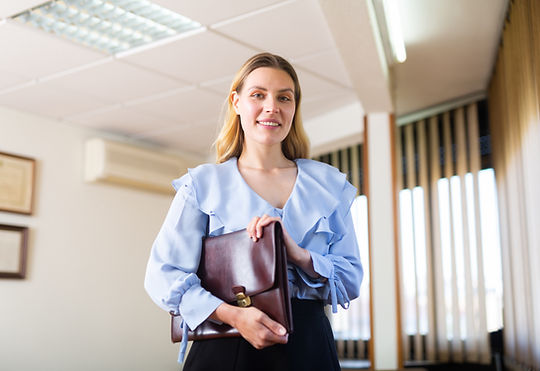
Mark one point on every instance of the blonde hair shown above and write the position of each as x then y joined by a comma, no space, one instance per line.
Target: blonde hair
230,140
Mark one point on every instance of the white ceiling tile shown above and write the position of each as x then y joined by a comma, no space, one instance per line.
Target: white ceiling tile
116,82
10,8
197,58
328,64
292,30
121,119
47,101
9,79
314,87
33,53
191,106
208,12
220,86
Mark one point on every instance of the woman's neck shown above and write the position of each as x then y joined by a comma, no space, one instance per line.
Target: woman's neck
264,158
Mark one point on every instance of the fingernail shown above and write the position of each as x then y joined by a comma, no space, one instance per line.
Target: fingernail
282,331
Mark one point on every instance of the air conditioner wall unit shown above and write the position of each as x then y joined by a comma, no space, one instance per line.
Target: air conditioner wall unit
124,164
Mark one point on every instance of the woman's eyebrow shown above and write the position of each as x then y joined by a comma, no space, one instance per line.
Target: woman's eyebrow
265,89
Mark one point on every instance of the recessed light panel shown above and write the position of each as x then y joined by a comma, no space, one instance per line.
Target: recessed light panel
108,25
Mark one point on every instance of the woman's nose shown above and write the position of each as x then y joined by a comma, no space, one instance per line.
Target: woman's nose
270,105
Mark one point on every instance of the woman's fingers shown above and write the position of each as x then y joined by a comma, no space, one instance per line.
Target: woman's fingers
260,330
263,222
256,225
251,227
274,326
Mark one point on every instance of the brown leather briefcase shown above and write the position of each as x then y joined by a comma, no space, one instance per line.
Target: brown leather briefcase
242,272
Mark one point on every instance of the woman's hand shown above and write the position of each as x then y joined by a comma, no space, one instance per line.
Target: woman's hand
295,254
254,325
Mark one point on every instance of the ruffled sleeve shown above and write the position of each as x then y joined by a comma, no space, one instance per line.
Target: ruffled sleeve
341,265
171,279
326,230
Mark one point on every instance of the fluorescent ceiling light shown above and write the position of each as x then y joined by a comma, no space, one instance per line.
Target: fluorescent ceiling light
393,24
109,25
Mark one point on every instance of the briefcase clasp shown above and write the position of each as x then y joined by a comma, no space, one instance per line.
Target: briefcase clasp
242,299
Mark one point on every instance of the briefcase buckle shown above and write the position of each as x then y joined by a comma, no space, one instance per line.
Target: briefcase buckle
242,299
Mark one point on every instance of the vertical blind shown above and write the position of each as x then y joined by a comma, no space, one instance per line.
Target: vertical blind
514,96
350,161
352,326
444,227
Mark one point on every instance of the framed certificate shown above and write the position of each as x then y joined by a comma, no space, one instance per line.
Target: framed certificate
13,249
16,183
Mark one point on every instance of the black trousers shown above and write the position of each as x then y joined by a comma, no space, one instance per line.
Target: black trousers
310,347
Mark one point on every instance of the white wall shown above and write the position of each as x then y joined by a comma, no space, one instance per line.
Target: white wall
82,305
346,129
382,249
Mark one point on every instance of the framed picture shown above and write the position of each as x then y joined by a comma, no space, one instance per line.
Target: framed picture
13,249
16,183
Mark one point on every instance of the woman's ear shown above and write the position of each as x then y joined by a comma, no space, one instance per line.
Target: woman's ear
235,97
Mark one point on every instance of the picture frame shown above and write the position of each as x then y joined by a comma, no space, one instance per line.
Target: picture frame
17,177
13,251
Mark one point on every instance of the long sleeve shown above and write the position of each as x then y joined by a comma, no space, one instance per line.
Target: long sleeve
318,218
171,279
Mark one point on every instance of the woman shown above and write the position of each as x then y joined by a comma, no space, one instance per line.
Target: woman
262,175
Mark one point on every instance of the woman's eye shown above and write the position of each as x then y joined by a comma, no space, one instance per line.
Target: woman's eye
285,99
257,95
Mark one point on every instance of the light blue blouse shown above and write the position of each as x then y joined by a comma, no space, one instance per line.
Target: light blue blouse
316,215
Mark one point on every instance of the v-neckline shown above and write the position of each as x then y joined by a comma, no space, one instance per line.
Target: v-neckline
258,195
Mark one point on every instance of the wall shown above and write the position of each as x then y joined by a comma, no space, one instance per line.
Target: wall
82,305
347,129
385,344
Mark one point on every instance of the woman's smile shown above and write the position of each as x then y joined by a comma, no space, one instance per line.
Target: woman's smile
269,124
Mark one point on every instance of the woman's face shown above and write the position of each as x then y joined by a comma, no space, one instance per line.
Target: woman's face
266,106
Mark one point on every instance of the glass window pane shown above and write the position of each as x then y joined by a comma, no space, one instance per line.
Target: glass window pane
421,259
408,261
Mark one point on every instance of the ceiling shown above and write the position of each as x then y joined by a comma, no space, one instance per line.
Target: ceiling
451,49
172,92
